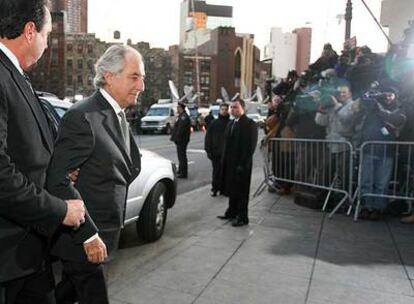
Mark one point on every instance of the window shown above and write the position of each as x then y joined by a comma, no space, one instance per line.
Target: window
69,47
90,48
80,80
80,64
69,80
80,48
69,63
90,64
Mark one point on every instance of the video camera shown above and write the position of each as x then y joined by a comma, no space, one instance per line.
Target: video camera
317,96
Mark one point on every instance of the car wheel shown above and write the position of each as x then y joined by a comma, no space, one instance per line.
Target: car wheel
168,129
151,221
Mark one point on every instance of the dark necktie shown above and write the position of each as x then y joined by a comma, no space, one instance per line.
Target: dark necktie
125,130
233,126
29,83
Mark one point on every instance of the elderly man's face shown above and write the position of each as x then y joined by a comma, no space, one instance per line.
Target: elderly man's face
126,86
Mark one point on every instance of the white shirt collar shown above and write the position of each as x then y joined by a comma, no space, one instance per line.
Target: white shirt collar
12,57
111,101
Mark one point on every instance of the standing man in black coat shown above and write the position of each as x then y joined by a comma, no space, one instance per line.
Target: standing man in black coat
29,215
95,138
181,136
214,144
240,143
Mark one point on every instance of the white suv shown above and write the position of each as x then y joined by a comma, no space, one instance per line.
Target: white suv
150,195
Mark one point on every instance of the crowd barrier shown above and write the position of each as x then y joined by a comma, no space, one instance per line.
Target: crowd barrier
385,173
374,172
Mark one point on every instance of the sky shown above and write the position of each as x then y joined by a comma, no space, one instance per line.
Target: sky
157,21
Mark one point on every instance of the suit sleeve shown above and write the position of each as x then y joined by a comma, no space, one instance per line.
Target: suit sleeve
208,142
21,201
73,147
251,137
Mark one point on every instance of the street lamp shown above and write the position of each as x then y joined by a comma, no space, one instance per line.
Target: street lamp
348,19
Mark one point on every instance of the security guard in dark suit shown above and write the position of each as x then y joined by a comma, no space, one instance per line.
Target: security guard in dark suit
181,136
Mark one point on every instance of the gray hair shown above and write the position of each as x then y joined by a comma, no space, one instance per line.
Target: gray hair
113,61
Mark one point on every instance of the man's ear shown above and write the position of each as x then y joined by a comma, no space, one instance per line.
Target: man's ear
108,78
29,31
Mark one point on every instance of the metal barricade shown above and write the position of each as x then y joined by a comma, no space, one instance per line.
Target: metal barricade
312,163
385,173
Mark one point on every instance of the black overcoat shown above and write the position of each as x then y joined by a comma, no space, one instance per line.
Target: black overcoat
237,161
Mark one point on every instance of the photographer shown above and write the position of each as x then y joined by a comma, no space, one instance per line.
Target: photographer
376,117
327,116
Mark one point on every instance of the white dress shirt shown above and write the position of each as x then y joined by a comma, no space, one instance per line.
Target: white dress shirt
114,104
12,57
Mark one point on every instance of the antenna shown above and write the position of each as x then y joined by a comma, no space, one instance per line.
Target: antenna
173,91
224,94
188,93
235,96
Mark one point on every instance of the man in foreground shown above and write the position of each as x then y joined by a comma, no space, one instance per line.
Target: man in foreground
29,215
94,137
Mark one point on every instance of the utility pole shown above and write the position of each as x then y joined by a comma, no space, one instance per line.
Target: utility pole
348,19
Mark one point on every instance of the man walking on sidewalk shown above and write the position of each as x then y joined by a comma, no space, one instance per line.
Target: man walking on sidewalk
239,145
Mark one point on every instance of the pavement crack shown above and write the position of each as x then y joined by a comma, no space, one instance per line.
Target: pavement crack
222,266
397,249
315,258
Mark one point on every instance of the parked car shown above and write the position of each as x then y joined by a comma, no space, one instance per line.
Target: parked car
150,195
195,117
160,118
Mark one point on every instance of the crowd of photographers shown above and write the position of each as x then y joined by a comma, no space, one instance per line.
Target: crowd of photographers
356,97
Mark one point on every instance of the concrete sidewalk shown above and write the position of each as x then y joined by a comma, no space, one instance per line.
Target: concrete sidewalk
288,254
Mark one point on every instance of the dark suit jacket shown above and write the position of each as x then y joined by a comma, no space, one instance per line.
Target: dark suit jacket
28,214
214,140
90,138
182,129
239,146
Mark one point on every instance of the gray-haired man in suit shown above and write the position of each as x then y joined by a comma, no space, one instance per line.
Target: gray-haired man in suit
95,138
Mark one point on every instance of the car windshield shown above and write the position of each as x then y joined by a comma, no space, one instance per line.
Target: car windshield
158,112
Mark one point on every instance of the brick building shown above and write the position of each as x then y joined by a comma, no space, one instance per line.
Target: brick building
67,66
75,12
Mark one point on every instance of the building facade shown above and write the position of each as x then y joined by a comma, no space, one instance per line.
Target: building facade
67,66
75,12
158,69
197,22
395,14
282,51
228,60
303,48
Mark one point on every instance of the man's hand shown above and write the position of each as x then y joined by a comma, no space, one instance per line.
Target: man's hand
74,175
75,215
95,251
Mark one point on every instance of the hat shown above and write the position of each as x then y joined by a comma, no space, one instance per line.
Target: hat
391,90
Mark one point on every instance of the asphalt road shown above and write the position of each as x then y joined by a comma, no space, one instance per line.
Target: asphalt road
199,166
